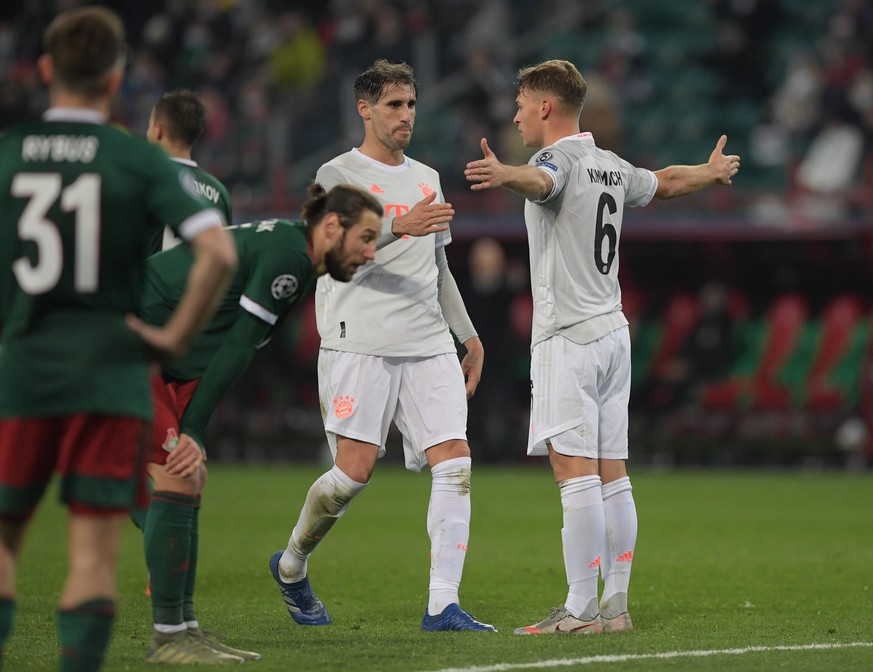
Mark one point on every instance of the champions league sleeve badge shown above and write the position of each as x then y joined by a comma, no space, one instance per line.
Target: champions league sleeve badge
543,161
284,287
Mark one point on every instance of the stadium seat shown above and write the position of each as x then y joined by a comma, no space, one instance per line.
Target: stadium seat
833,377
680,316
646,336
769,343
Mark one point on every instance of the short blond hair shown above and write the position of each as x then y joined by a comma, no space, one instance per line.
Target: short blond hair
558,78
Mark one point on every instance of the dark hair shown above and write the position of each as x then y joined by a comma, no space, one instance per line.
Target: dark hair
85,46
560,78
182,115
371,84
346,200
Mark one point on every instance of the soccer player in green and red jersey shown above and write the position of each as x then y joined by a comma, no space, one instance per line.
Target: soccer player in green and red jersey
79,203
280,261
176,123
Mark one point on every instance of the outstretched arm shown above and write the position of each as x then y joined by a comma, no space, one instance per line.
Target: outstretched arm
488,173
676,181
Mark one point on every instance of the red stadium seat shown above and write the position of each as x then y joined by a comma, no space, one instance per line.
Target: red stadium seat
757,384
840,320
680,316
786,320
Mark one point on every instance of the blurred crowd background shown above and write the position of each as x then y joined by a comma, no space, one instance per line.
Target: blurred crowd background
750,306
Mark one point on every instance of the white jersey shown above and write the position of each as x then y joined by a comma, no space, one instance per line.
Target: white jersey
573,236
390,308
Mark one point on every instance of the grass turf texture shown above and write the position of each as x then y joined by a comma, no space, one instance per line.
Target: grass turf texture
724,560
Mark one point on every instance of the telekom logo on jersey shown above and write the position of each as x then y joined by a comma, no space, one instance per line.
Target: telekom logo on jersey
397,209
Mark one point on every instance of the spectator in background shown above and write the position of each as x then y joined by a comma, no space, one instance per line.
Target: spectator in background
297,61
706,354
743,34
623,62
796,103
736,60
485,104
491,411
601,115
832,162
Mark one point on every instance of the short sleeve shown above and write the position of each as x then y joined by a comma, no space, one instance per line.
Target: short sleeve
277,280
329,176
173,198
641,184
557,164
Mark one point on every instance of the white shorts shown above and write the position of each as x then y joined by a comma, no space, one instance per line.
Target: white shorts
579,396
424,396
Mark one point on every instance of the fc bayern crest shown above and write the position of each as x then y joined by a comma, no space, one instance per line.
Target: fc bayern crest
284,287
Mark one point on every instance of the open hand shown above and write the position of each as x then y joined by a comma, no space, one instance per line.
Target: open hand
426,217
487,172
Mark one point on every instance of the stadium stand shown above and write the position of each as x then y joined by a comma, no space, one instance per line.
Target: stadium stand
666,80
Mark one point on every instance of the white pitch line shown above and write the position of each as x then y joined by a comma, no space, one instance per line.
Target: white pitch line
621,658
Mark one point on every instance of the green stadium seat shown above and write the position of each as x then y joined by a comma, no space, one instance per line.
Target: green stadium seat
769,343
833,378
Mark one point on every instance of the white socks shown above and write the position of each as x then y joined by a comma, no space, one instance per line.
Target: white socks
618,552
326,502
448,525
583,532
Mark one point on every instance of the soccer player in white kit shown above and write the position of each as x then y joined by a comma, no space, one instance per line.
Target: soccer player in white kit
580,348
387,355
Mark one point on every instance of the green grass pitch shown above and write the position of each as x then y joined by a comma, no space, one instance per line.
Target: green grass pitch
724,560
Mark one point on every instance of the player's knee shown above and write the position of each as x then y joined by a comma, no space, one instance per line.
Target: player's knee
191,485
358,471
447,450
454,473
566,467
612,470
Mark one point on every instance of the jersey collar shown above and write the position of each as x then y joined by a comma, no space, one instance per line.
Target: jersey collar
74,114
585,138
184,162
379,164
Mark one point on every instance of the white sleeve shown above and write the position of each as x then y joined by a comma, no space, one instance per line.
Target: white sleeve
451,303
329,176
557,164
641,184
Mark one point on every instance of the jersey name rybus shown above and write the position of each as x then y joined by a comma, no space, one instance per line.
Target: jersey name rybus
609,178
70,148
